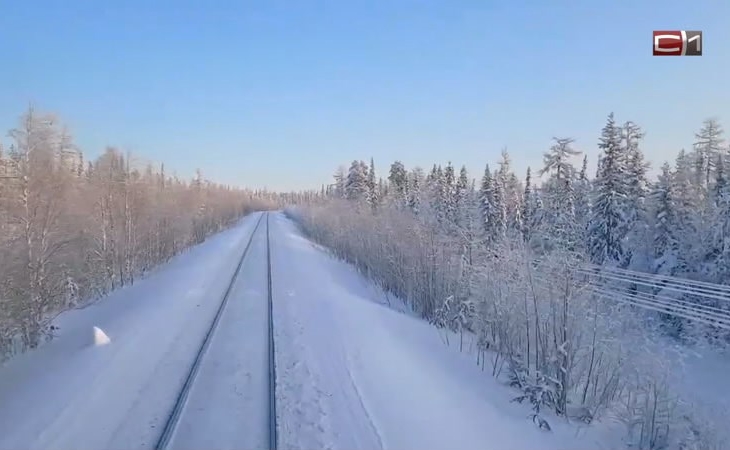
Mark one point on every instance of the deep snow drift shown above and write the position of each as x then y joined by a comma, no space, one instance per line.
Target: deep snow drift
354,374
71,394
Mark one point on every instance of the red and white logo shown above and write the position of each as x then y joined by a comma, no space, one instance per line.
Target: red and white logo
677,43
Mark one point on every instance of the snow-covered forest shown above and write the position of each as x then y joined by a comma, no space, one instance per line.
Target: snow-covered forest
570,284
71,231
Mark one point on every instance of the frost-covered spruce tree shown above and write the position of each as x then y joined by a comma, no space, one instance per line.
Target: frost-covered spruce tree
583,193
721,179
431,206
356,183
415,181
437,195
528,207
470,223
372,196
665,233
637,191
512,194
499,208
583,197
558,227
448,196
636,168
687,200
514,219
465,226
398,184
609,223
461,200
486,202
721,225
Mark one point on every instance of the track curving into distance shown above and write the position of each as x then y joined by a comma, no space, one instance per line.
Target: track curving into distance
176,413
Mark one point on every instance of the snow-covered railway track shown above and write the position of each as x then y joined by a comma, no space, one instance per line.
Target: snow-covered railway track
185,427
272,355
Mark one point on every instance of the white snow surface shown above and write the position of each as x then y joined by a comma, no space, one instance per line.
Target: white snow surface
70,395
227,407
355,374
351,372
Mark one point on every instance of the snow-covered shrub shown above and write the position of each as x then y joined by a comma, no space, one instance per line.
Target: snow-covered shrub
72,230
566,348
541,266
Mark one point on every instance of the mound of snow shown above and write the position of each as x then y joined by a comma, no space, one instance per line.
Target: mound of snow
100,338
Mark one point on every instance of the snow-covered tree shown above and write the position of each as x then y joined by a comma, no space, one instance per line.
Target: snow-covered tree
636,168
529,207
511,189
449,195
609,222
583,195
462,204
558,224
340,177
398,183
499,209
721,224
708,146
356,184
560,345
372,196
665,239
73,230
637,187
415,181
486,202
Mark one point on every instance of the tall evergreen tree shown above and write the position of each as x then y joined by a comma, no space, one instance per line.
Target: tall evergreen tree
721,227
687,198
356,184
665,239
449,194
609,223
512,193
637,187
462,198
398,182
558,222
721,180
486,201
499,209
415,178
372,187
528,207
636,169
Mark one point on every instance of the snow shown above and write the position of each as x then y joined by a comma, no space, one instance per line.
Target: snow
68,394
699,377
229,399
355,374
352,373
100,338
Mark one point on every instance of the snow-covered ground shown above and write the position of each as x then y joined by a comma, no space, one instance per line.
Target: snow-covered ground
351,372
69,394
355,374
229,398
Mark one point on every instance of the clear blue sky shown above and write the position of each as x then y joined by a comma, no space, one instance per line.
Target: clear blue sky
278,94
